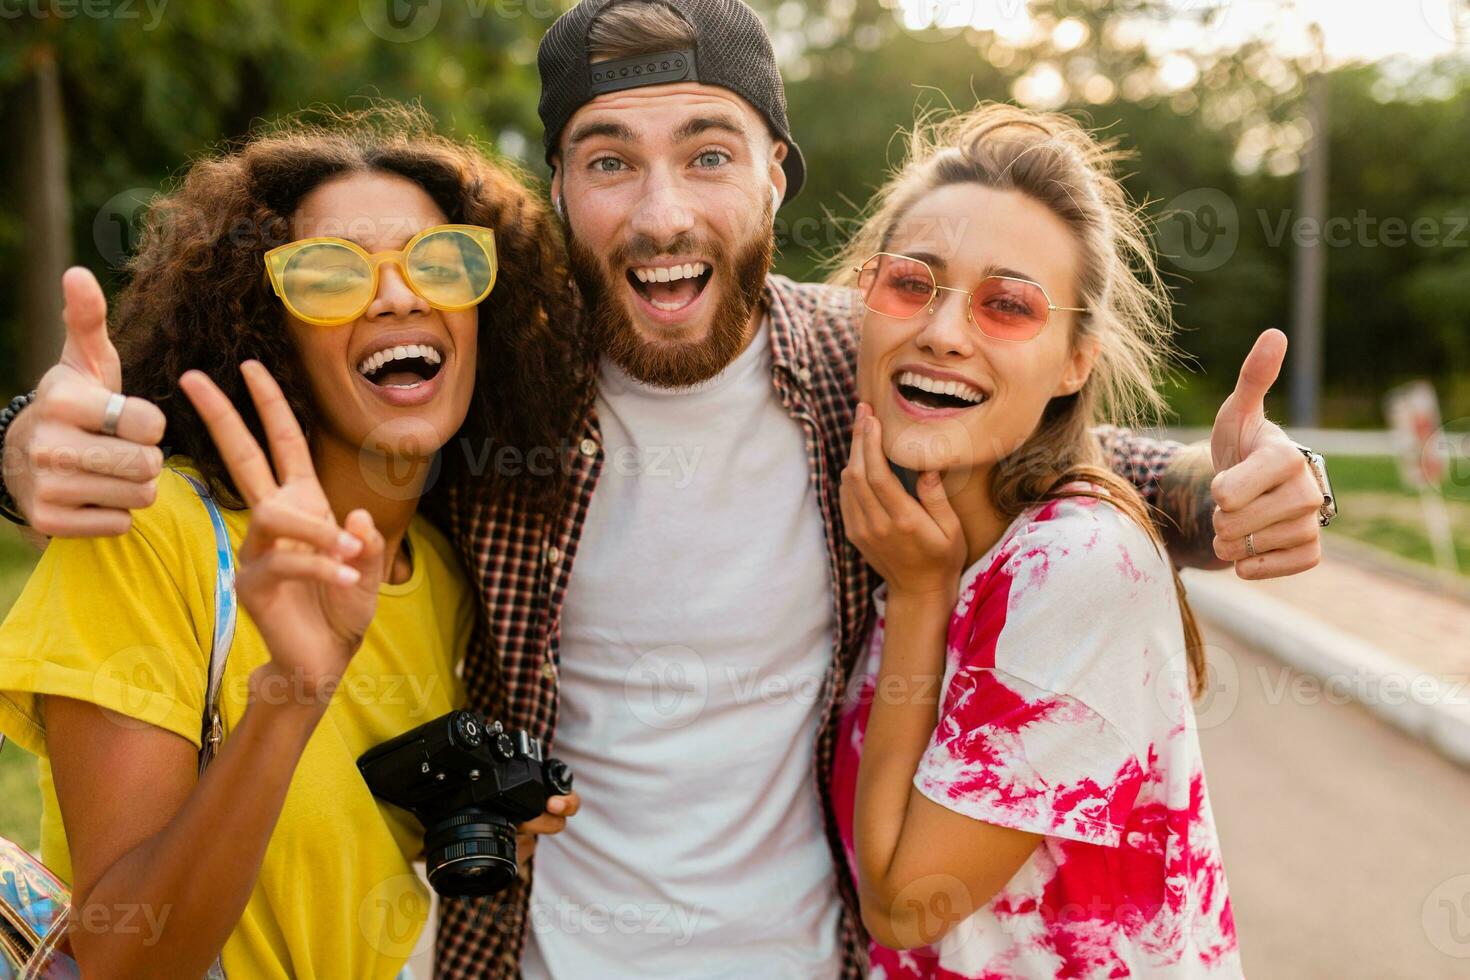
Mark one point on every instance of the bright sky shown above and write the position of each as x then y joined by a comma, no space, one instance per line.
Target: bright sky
1354,29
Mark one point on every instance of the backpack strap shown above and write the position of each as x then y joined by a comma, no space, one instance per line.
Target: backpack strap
225,613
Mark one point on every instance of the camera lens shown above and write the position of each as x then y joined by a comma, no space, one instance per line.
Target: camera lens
470,854
558,776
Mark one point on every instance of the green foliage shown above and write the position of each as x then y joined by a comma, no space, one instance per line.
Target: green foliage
20,798
144,98
1379,510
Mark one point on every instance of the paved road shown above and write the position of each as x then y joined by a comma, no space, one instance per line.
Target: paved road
1347,844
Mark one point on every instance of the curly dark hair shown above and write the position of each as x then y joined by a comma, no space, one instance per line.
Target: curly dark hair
198,297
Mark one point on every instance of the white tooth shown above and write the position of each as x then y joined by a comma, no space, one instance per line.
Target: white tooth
400,352
952,388
676,272
642,274
663,275
433,356
686,271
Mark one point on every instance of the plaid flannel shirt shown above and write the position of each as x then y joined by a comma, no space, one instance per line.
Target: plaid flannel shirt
521,559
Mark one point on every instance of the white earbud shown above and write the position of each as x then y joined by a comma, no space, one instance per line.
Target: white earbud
561,210
775,198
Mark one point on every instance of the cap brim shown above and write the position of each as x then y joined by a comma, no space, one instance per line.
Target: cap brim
795,167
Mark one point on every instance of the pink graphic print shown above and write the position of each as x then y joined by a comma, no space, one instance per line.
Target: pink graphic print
1128,880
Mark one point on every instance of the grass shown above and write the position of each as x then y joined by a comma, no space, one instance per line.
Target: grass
1378,509
20,798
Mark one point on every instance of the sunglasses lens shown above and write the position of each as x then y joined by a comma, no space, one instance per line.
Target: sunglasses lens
326,281
1010,309
450,269
895,286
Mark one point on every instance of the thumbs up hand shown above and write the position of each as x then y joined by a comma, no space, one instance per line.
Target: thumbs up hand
68,478
1266,498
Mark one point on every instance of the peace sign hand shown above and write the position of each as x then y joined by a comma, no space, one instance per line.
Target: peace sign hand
310,586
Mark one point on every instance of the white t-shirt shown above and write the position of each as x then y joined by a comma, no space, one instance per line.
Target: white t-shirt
695,638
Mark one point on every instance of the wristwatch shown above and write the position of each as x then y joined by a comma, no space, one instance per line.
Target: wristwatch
1318,466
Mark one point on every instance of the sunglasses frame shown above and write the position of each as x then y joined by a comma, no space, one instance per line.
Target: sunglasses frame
969,295
277,259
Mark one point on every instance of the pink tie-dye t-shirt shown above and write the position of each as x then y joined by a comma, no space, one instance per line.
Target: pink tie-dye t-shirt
1065,711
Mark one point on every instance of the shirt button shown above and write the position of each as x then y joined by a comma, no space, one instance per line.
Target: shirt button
553,555
548,670
589,447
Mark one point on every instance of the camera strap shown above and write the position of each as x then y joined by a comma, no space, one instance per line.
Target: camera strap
225,612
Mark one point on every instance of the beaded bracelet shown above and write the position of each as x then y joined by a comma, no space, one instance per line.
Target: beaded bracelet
7,415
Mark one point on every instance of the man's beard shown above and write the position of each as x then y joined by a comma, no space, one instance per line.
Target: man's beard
672,363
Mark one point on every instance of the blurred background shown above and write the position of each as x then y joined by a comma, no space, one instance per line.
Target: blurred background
1306,167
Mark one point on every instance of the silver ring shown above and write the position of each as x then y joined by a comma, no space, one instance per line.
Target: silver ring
112,414
1250,545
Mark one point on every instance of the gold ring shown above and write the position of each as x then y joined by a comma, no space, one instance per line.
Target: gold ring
1250,545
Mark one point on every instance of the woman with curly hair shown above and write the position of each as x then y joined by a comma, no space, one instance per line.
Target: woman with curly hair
357,294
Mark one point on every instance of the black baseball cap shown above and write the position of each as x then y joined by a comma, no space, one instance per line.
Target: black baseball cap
732,50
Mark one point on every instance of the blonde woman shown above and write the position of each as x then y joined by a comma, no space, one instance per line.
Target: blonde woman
1019,778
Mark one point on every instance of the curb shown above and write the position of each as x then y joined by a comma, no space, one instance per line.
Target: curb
1419,704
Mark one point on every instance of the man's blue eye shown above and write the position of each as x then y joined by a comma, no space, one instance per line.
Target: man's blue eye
711,158
608,165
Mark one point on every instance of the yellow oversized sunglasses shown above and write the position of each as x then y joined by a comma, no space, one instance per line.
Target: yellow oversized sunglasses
331,281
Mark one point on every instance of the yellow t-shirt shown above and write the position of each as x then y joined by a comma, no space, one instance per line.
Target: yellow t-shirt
126,623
